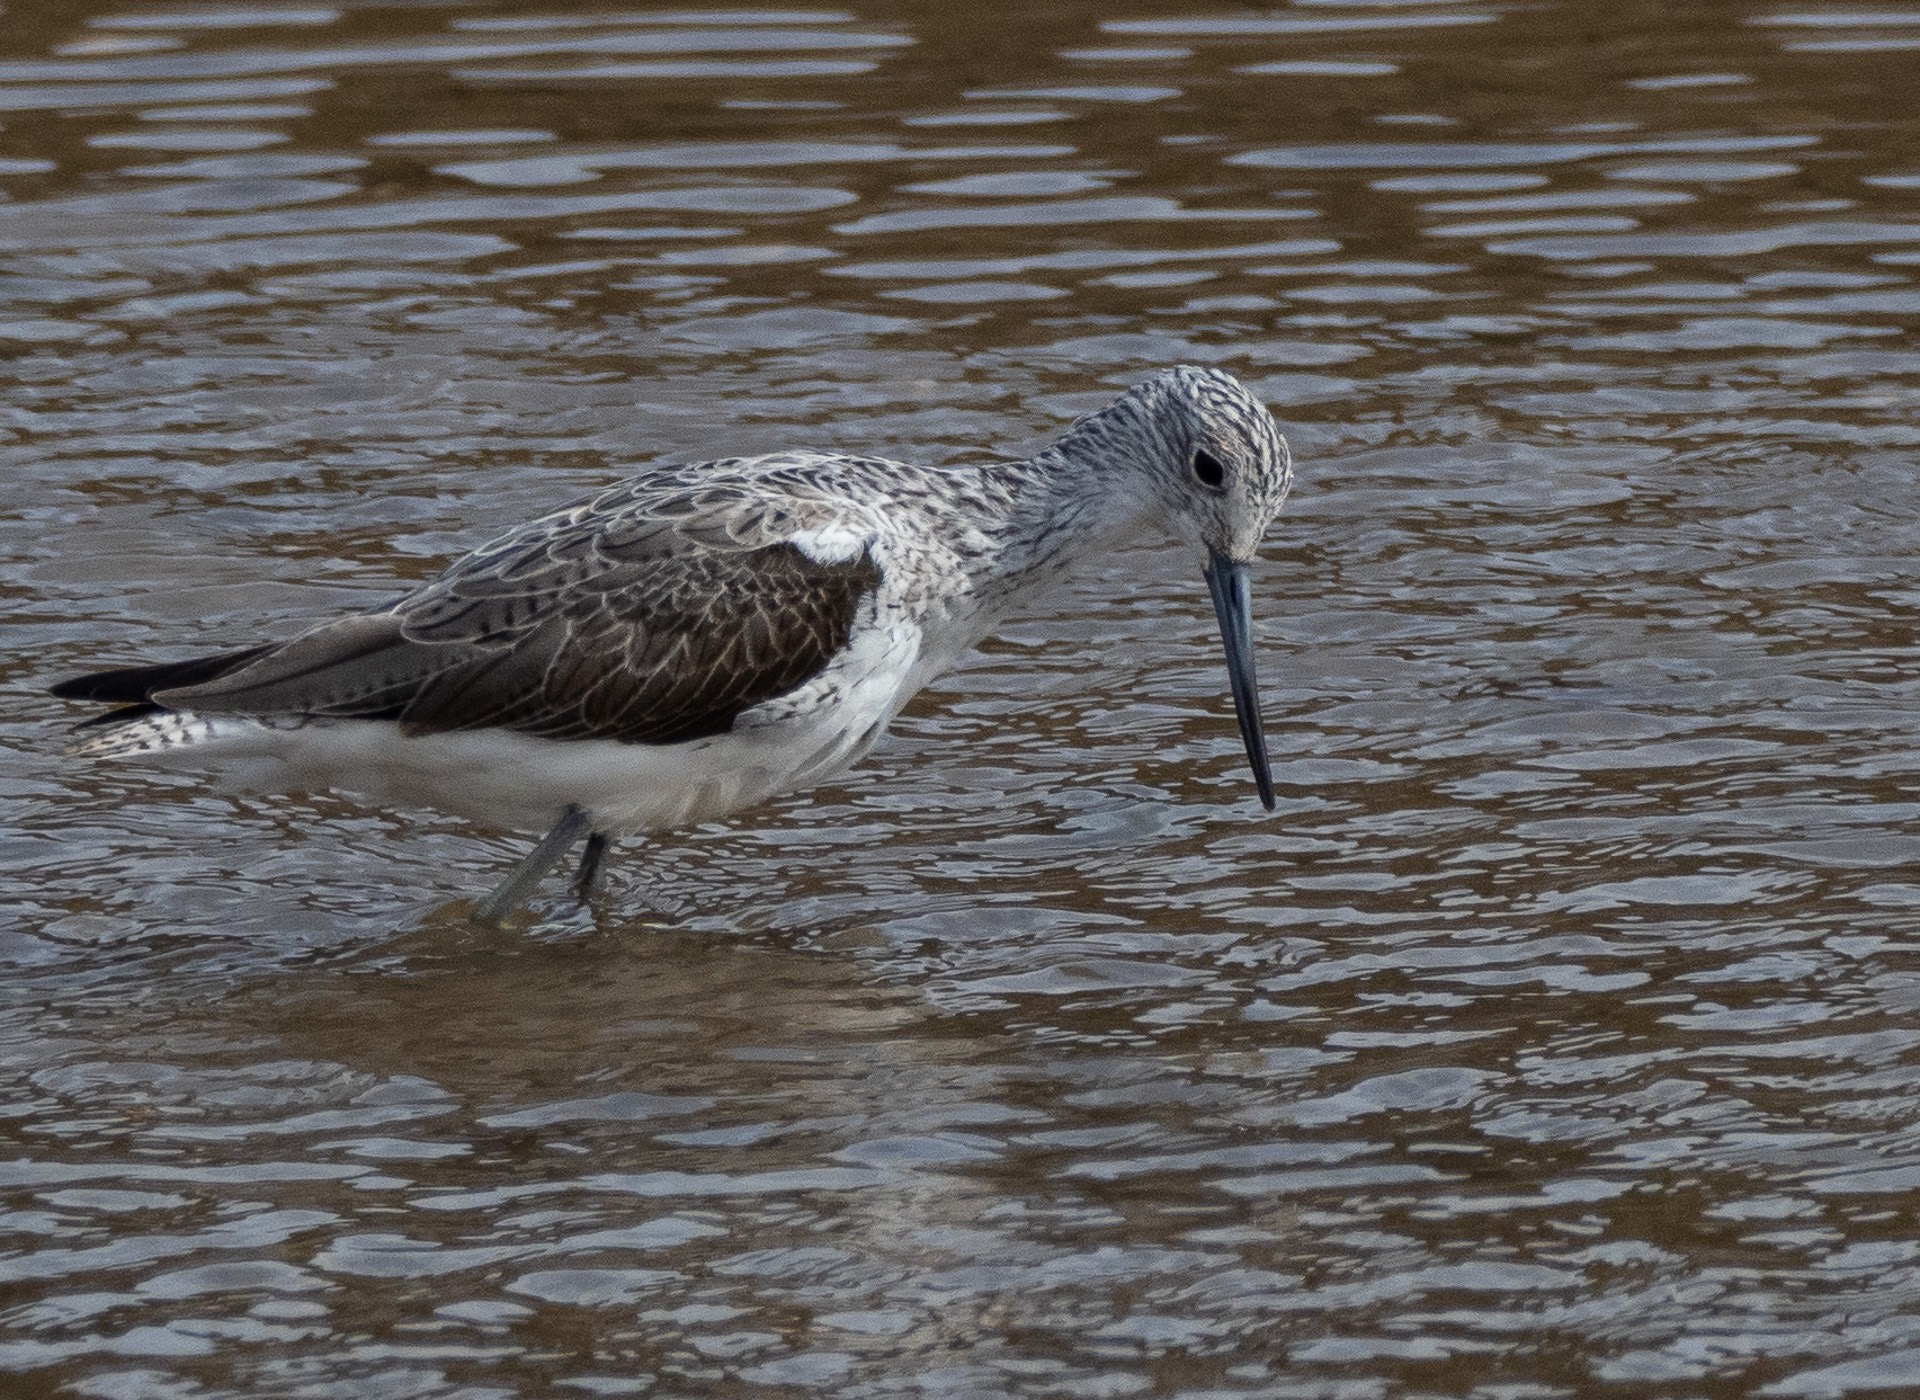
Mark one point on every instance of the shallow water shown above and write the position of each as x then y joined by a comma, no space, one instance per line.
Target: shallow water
1558,1035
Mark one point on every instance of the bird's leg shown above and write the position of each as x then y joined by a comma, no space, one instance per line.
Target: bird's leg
587,883
519,886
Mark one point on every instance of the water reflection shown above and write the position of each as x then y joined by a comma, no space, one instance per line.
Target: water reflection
1556,1033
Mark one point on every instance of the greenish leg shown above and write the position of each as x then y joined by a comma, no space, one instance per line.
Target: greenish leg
586,884
519,886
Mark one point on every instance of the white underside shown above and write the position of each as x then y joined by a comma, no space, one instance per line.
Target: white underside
516,780
522,782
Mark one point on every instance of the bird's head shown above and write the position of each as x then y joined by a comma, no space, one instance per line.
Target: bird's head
1217,471
1217,463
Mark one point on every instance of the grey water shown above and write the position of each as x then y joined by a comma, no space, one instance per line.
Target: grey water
1559,1036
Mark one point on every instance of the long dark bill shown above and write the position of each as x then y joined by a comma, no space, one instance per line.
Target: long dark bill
1233,605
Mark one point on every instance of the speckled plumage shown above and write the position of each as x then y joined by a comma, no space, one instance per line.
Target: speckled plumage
696,638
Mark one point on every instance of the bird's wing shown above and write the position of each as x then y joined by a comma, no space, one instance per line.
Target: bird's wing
653,613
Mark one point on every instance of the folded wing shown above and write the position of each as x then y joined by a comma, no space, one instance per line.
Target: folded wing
643,621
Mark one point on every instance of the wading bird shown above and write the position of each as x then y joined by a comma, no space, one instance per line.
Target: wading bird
699,638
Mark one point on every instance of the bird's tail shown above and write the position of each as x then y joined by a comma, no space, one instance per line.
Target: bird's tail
137,733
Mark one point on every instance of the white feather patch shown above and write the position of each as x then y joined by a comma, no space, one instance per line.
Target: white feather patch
831,544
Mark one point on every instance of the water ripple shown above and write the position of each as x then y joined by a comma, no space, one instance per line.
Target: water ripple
1557,1030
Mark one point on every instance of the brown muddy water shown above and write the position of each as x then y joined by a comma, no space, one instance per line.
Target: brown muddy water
1559,1035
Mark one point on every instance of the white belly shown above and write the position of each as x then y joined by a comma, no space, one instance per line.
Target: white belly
516,780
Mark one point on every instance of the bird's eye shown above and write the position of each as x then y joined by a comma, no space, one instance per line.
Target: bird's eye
1208,471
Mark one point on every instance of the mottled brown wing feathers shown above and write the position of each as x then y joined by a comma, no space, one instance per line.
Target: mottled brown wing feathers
669,643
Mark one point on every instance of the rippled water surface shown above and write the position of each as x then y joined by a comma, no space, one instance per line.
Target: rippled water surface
1558,1035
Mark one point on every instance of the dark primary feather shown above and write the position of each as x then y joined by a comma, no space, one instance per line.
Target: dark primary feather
132,687
135,685
593,623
